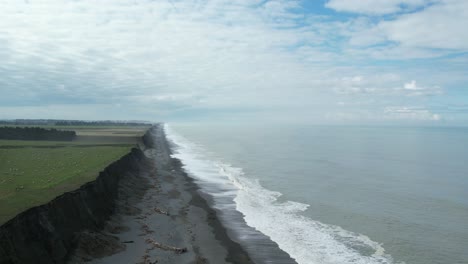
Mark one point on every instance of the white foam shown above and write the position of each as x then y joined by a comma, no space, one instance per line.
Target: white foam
304,239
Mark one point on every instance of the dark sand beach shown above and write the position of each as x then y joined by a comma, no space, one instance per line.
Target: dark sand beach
160,218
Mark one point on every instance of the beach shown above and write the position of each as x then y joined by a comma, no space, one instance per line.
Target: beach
161,218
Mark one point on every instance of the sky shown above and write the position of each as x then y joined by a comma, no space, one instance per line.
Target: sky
314,61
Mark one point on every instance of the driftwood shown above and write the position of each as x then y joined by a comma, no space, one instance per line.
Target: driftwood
166,247
159,211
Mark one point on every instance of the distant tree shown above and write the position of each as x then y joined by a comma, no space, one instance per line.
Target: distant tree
43,122
35,133
98,123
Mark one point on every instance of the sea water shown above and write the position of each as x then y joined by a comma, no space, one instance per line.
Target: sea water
336,194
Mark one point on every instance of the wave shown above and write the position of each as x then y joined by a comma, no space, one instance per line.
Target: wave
304,239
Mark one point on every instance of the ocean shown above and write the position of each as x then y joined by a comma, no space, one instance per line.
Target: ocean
335,194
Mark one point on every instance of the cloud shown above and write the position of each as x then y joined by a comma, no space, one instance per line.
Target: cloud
411,86
412,89
165,59
354,85
436,30
440,26
411,113
373,84
375,7
150,47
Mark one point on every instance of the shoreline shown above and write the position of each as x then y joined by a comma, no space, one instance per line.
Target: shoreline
143,208
162,218
220,199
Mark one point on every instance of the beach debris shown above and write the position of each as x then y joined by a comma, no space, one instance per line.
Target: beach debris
159,211
146,260
128,242
201,260
166,247
146,229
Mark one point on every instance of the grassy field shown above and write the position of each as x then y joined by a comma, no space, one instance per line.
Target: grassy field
34,172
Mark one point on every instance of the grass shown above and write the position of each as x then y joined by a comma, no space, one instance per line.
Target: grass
34,172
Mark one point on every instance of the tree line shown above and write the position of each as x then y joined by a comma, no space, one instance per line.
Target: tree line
52,122
35,133
98,123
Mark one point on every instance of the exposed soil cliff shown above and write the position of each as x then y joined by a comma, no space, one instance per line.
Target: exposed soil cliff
49,233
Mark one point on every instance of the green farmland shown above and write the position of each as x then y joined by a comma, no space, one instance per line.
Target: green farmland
34,172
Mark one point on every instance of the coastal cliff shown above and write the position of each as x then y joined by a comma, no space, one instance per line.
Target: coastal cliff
49,233
142,209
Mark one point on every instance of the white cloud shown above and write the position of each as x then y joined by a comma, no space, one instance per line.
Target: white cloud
411,113
375,7
440,26
411,86
375,84
413,89
163,56
433,31
153,48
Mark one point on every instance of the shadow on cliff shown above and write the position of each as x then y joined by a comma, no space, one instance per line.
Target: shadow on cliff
50,233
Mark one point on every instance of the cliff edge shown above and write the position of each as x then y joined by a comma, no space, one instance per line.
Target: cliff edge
49,233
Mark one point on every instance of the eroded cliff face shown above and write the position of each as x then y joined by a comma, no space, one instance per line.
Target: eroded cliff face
49,233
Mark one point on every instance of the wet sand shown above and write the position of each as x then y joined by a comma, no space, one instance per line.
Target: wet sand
161,218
